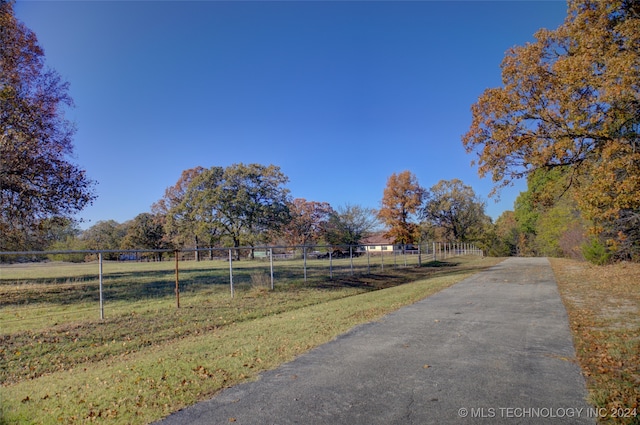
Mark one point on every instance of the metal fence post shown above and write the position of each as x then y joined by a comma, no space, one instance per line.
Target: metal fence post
231,273
304,256
100,280
178,280
330,266
351,257
271,260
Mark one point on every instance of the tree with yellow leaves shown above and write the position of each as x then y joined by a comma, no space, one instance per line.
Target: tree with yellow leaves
571,100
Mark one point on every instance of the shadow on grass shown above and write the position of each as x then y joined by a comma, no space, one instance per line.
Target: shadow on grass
117,286
141,285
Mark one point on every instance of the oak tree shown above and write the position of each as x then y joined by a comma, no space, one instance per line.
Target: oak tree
105,235
251,201
349,224
37,180
145,232
307,221
180,228
195,216
454,207
241,203
401,200
571,100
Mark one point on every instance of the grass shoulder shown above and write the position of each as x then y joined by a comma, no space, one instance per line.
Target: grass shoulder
603,304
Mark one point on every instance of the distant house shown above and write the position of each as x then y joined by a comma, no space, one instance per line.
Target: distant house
379,243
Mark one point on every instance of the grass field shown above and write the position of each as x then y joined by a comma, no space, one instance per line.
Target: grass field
149,358
49,294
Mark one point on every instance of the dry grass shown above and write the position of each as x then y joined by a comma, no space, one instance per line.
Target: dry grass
603,303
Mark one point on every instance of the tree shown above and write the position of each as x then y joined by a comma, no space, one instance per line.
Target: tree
105,235
252,201
63,236
571,100
37,181
308,219
547,215
507,235
241,202
350,224
544,189
196,215
145,232
454,207
401,199
180,227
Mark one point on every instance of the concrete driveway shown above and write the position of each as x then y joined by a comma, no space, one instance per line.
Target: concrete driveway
494,348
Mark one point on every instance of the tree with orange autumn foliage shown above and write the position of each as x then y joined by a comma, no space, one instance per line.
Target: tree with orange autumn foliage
307,221
402,198
571,100
41,189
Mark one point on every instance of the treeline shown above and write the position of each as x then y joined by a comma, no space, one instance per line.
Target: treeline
247,205
549,220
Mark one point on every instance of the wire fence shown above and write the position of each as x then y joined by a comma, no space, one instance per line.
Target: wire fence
53,287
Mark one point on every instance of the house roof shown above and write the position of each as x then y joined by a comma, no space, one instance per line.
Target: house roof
377,239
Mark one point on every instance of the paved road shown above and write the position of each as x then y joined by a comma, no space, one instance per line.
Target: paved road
494,348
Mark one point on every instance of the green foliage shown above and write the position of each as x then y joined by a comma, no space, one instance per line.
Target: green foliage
349,225
144,232
237,205
551,225
596,252
547,216
454,207
107,235
70,244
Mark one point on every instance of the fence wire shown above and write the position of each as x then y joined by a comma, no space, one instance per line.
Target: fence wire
40,288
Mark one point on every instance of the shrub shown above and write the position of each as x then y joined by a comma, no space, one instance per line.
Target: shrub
596,252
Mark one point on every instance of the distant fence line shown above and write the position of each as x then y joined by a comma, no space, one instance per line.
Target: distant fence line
438,250
432,251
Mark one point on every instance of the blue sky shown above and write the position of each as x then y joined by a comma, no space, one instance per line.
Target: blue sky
340,95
